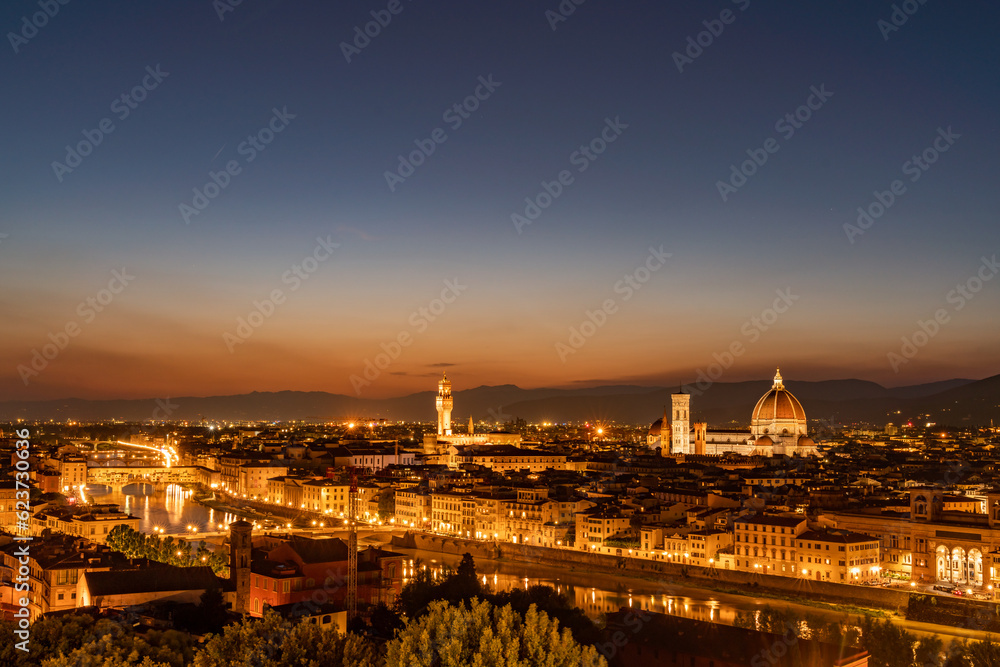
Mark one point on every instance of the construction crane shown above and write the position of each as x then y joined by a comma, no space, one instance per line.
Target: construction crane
352,547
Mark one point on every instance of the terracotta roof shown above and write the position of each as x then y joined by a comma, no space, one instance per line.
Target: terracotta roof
151,580
838,536
771,520
778,404
326,550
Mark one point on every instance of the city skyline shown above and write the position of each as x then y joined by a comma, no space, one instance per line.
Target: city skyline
264,198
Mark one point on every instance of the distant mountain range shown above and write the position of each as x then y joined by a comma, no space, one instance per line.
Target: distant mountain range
956,402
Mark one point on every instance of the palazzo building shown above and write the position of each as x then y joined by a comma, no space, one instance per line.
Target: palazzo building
439,447
930,544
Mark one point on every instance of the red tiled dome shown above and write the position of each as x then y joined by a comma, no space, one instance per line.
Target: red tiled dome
778,404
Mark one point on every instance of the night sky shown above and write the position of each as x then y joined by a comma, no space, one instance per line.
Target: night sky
119,280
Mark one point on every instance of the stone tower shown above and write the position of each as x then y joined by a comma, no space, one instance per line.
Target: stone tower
444,405
993,507
239,563
926,504
666,439
700,437
679,427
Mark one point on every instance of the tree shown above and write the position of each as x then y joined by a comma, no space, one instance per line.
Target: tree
464,584
78,640
135,544
387,504
485,635
211,614
888,645
984,652
929,651
384,621
553,603
417,594
274,642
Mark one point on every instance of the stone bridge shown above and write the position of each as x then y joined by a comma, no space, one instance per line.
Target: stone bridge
119,477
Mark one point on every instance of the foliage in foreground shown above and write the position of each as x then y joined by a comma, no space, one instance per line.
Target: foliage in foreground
484,635
462,585
136,544
273,641
79,640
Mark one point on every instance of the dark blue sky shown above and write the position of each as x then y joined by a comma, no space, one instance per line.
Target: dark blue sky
174,329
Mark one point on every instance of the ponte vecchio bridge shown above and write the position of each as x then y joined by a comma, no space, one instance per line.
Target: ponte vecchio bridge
118,477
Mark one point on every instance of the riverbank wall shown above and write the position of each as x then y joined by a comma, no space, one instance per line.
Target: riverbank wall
666,572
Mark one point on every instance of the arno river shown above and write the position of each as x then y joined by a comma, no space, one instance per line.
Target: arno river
169,508
173,510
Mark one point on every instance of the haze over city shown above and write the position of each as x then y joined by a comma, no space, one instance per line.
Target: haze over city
640,138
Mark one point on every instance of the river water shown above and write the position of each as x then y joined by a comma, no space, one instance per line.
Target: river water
597,594
169,508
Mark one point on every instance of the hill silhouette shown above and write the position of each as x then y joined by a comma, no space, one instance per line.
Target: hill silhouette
957,402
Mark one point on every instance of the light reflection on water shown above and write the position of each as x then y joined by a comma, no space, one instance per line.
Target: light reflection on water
594,601
170,508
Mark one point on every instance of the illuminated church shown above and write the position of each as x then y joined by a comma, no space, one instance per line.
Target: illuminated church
777,427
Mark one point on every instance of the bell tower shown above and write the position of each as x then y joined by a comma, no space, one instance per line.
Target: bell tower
444,404
239,563
679,427
993,507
